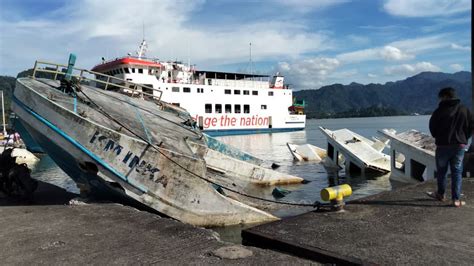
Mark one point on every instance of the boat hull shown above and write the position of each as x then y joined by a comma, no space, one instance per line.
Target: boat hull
101,159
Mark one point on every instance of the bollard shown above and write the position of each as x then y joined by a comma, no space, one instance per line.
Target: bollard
335,195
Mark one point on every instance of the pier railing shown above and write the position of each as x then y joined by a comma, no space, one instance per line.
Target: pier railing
102,81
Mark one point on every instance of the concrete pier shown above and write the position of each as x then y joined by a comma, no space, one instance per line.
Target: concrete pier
397,227
49,231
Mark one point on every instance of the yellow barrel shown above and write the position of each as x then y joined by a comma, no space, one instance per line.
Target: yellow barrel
336,193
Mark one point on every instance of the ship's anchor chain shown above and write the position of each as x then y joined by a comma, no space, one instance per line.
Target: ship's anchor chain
317,204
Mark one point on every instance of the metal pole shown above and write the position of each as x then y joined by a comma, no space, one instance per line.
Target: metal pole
3,115
472,77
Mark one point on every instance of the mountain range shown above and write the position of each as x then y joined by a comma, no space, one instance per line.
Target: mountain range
416,94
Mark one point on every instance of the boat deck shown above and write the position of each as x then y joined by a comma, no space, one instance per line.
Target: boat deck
144,118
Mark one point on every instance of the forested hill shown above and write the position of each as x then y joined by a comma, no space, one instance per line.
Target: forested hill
417,94
6,85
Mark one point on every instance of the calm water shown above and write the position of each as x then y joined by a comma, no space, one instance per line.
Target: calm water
272,147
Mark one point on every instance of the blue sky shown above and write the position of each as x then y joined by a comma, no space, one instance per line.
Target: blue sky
312,42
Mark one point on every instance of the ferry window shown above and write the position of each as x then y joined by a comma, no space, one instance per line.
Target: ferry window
254,92
228,108
264,107
121,71
200,90
246,92
175,89
140,70
226,91
175,104
127,70
133,70
236,92
218,108
270,93
208,108
237,108
186,89
246,108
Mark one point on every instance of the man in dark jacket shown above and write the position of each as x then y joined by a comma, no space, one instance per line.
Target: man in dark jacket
451,125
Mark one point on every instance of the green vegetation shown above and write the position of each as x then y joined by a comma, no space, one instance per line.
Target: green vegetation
362,112
417,94
7,84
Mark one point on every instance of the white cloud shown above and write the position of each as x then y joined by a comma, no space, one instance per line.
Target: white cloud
422,44
411,69
388,53
456,67
309,73
371,75
93,29
460,47
426,8
391,53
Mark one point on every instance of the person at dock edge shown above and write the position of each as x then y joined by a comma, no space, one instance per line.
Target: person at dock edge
451,125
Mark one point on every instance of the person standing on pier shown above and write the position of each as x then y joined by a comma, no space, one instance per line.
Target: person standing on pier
451,125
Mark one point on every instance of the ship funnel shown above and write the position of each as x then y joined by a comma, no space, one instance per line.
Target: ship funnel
277,81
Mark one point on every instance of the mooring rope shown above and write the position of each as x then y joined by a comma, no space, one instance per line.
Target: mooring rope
316,204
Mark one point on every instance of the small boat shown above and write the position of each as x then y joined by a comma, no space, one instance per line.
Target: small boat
307,152
360,154
23,156
109,140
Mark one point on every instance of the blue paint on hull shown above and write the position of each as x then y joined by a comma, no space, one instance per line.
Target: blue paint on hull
99,188
30,143
229,132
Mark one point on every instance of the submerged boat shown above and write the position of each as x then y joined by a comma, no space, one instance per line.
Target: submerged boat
307,152
138,146
360,154
221,102
413,155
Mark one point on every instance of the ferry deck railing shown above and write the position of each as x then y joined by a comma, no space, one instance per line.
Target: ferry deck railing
106,81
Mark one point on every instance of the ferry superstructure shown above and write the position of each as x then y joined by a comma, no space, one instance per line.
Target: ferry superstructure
220,102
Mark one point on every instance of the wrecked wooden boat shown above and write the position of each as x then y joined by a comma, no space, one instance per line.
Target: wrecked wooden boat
360,154
306,152
138,146
413,155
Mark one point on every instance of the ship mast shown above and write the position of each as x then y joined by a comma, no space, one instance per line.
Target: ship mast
143,46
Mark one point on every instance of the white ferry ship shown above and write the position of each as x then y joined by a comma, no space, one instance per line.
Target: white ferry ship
221,103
